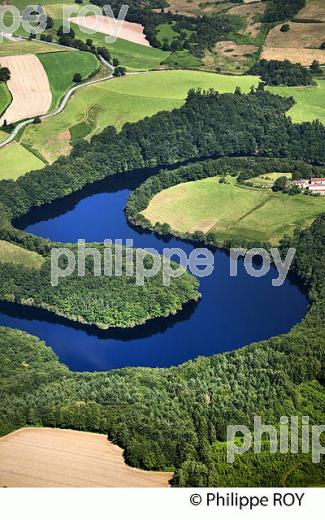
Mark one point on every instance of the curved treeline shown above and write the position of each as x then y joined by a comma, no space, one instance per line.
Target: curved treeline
242,167
276,73
176,418
208,125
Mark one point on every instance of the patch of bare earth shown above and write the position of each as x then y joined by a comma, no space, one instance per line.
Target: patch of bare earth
229,56
46,457
29,87
314,10
249,12
295,55
197,7
132,32
231,50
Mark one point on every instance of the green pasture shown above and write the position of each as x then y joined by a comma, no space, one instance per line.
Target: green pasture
61,67
15,160
232,211
11,253
5,98
310,101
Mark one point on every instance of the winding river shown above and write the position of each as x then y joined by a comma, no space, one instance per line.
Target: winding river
232,312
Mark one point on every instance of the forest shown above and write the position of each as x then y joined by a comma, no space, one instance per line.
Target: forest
209,125
105,301
176,418
277,73
277,10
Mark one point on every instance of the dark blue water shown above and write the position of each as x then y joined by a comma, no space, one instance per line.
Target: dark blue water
232,312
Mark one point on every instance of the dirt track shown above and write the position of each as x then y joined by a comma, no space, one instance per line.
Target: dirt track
29,87
132,32
50,457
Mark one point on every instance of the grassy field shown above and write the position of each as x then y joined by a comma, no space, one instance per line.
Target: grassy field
15,160
5,97
131,55
117,101
267,180
17,255
232,211
61,67
310,101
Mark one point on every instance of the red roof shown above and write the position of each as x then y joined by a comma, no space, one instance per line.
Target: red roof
318,179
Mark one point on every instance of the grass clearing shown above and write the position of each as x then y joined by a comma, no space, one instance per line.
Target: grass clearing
232,211
267,180
5,97
61,67
15,160
310,101
10,253
117,101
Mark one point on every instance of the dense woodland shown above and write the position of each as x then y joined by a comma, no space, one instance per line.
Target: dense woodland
172,418
106,300
275,72
176,418
277,10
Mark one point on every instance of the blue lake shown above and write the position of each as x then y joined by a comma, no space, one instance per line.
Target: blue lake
231,313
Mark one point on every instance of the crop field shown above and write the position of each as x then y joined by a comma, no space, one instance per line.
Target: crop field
132,32
29,88
305,35
314,10
310,101
18,255
25,47
5,97
15,160
301,44
232,211
117,101
50,457
61,67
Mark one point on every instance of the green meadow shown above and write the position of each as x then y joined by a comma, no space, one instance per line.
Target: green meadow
18,255
15,160
310,101
232,211
117,101
5,98
61,67
131,55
